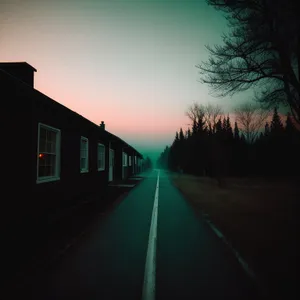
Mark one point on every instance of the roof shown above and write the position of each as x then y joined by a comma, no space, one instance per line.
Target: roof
117,139
20,63
110,135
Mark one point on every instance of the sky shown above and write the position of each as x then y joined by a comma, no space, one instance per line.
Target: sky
131,64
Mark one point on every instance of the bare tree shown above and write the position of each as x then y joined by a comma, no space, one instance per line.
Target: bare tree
251,119
209,113
262,50
195,113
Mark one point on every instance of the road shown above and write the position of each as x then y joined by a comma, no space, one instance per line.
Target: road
109,262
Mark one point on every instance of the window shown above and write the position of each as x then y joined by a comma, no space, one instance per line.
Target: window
48,154
129,161
101,157
84,154
112,157
125,159
135,159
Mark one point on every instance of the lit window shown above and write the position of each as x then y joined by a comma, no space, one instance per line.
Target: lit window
84,154
101,157
48,158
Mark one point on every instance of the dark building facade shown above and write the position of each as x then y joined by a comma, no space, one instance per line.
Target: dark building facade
124,163
71,157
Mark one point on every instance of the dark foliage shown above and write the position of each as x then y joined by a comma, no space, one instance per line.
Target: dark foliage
225,152
147,164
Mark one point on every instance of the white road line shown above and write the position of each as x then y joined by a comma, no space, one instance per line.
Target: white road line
150,267
242,262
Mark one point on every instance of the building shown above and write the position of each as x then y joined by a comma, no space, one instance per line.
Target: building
70,157
126,159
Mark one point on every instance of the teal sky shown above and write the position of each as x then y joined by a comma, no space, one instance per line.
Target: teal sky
128,63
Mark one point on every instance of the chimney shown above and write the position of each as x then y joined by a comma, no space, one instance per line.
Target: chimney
20,70
102,125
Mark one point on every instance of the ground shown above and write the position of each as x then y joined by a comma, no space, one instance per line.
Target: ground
29,257
108,261
258,217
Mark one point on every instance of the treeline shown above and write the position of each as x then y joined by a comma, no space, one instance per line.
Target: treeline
147,164
218,149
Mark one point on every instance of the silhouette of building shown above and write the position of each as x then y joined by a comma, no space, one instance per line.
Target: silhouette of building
67,156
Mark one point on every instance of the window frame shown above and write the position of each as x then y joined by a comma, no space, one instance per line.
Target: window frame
101,168
43,179
86,169
125,158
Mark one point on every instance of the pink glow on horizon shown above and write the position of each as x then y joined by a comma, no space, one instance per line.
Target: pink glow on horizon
131,66
115,118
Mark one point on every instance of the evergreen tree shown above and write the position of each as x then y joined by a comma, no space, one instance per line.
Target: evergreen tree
201,125
174,155
188,133
201,152
236,132
228,127
219,127
267,129
224,125
197,147
276,123
290,128
181,135
275,146
163,160
194,128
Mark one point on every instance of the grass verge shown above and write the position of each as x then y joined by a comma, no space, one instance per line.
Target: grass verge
259,218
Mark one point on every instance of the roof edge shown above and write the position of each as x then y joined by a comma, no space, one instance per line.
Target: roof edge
18,62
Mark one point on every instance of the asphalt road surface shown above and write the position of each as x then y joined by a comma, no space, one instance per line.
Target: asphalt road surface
190,261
